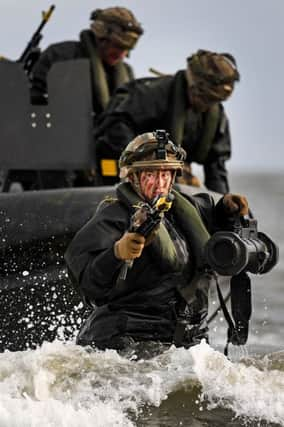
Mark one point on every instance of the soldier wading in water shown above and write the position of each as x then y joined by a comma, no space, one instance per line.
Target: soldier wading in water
163,297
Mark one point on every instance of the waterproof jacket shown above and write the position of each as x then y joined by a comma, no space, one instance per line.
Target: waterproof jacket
147,304
162,103
104,78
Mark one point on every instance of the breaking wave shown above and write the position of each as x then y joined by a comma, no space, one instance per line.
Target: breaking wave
61,384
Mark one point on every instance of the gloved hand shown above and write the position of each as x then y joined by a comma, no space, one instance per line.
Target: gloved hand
130,246
235,204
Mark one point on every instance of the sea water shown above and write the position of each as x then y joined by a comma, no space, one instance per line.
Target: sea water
61,384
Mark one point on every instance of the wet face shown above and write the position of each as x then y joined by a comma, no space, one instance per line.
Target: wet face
112,54
155,182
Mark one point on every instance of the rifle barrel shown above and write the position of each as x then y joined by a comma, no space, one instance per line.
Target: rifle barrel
45,17
36,37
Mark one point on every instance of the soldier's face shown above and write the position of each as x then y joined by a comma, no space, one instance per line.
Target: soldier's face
155,182
112,54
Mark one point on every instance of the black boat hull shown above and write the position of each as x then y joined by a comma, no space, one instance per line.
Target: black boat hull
37,301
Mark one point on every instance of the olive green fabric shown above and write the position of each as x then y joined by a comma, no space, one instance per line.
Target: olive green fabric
99,80
196,233
178,107
162,246
189,220
192,225
178,115
212,118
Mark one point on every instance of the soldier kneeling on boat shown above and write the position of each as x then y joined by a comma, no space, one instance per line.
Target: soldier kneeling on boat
139,262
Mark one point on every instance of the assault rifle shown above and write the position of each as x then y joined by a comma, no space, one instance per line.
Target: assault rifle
145,220
32,52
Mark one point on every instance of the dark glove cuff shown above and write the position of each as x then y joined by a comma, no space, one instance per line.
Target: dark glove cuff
224,219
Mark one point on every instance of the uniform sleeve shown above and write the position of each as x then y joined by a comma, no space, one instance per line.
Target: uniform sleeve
212,211
216,175
54,53
135,108
40,71
205,205
90,256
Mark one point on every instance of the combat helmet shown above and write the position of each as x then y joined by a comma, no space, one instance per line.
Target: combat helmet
213,74
151,150
118,25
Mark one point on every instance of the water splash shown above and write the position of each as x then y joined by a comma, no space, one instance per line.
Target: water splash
66,385
59,379
248,391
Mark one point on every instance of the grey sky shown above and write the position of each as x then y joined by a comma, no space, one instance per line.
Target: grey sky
251,30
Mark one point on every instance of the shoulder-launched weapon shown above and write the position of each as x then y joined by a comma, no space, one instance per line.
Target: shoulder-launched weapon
242,249
32,52
235,253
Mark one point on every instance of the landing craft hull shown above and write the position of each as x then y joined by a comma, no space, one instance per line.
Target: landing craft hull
36,297
37,301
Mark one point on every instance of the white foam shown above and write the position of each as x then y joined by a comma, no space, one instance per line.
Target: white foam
65,385
248,391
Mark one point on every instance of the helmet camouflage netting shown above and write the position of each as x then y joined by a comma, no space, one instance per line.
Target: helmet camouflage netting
151,150
118,25
214,73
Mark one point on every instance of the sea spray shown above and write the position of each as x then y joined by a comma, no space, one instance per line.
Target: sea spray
246,390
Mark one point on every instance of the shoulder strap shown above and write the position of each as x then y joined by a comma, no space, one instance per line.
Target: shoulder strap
238,324
101,92
99,82
196,233
178,117
209,130
122,74
178,108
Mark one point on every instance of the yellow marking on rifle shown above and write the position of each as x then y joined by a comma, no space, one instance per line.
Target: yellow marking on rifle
163,204
47,15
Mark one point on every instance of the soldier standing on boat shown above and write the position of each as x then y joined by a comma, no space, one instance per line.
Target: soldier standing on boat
162,297
188,105
113,33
